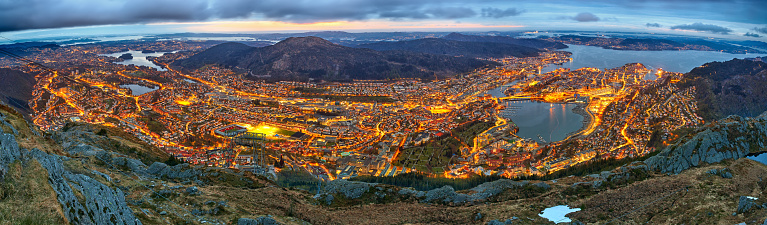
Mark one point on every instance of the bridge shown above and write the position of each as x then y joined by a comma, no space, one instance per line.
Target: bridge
519,97
515,98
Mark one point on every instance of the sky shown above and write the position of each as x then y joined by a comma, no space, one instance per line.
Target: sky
733,19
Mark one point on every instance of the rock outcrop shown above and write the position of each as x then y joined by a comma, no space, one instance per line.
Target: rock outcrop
264,220
480,193
724,173
350,189
101,204
181,171
730,138
746,203
83,199
9,152
506,222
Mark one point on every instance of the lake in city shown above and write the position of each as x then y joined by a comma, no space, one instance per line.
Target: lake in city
139,59
137,90
552,121
673,61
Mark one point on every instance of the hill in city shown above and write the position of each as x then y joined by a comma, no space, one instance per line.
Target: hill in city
735,87
527,42
455,48
301,58
16,88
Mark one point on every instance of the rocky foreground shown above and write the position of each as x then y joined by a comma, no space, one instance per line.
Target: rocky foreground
93,175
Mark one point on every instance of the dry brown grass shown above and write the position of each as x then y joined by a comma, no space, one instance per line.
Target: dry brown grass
26,197
26,138
710,199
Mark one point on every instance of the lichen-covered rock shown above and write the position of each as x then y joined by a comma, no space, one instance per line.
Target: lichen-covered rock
350,189
83,150
479,193
102,205
192,190
9,152
181,171
445,193
329,199
264,220
133,164
542,185
745,203
724,173
13,129
411,191
506,222
109,179
489,189
730,138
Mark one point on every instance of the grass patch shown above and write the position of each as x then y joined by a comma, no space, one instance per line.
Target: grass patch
26,197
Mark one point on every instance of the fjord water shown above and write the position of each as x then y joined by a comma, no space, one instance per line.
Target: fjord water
673,61
139,59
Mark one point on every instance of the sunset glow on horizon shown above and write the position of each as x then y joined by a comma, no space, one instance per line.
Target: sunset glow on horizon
264,26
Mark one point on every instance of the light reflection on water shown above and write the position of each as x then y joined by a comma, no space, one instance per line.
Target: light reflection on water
672,61
139,59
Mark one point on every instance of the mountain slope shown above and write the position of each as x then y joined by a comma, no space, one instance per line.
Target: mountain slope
16,88
735,87
532,43
312,57
455,48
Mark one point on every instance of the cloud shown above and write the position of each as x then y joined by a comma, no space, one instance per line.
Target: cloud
749,34
37,14
703,27
451,12
19,15
585,17
744,11
412,14
762,30
653,25
500,13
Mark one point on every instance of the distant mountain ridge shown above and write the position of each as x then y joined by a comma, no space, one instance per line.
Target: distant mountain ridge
301,58
455,48
654,44
526,42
